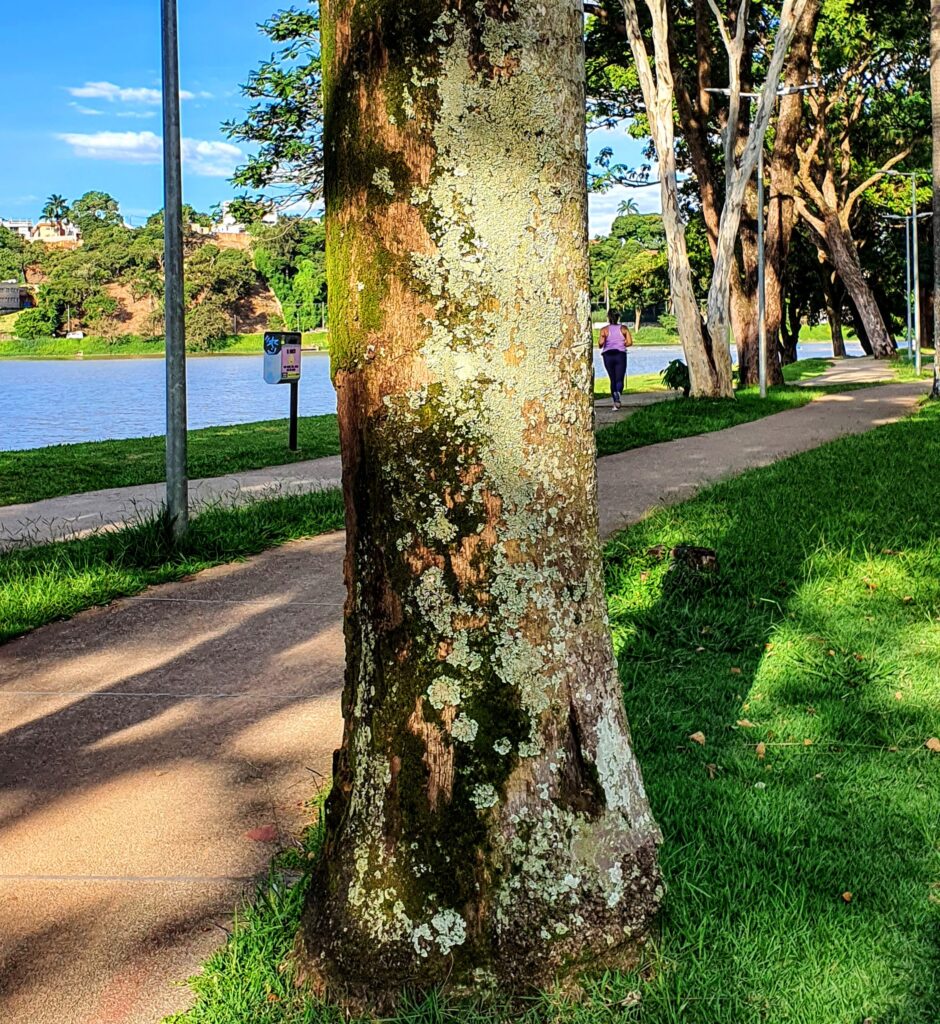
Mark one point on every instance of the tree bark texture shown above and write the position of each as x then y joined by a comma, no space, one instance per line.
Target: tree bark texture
487,822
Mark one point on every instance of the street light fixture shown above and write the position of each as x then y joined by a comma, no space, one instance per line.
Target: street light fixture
908,275
789,90
916,258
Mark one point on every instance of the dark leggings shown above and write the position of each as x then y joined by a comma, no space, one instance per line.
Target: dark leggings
616,363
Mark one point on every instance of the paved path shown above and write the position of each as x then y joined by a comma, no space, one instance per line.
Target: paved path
77,515
852,370
153,752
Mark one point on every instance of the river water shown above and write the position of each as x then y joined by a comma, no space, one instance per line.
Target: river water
60,401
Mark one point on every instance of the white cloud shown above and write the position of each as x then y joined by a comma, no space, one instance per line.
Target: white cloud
208,159
116,93
87,111
136,113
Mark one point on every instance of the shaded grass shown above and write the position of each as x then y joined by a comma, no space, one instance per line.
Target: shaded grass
39,473
134,347
822,625
55,581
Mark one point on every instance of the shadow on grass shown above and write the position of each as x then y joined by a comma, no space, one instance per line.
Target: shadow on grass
801,841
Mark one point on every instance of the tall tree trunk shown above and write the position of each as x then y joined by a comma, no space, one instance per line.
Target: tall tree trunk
637,319
840,247
707,357
487,819
833,296
935,223
782,166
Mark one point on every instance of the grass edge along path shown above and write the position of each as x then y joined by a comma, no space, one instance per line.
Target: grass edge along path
800,852
55,581
36,474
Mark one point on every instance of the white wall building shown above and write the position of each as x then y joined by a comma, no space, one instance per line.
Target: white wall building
9,295
228,225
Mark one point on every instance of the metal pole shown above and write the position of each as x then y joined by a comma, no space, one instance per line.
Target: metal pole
916,232
294,397
761,289
907,278
177,486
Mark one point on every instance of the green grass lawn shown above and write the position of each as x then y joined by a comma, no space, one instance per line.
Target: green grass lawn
39,473
134,347
55,581
801,844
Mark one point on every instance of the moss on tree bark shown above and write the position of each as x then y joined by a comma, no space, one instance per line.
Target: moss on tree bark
487,822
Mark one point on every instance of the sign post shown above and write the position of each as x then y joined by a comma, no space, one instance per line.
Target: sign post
282,354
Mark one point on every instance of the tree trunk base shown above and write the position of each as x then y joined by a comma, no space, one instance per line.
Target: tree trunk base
364,974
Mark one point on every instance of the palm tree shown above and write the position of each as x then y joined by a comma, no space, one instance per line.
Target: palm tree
56,210
935,111
628,207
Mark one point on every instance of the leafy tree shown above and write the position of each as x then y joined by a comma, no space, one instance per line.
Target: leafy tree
93,211
13,255
56,209
285,121
207,325
224,276
36,323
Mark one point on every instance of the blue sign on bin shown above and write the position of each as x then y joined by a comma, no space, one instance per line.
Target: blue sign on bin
282,356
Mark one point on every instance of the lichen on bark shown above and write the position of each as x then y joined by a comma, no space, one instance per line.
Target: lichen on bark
487,819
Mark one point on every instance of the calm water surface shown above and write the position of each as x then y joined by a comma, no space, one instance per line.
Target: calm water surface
62,401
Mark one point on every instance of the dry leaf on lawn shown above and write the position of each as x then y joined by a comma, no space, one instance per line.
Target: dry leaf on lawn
698,737
933,744
745,723
761,749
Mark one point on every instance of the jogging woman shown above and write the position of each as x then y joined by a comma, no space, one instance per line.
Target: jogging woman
614,342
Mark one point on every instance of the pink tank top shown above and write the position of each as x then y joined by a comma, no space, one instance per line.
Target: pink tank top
615,339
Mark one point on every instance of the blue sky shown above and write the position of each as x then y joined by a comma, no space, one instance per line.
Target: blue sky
80,86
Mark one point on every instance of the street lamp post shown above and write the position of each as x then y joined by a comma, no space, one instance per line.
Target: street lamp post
916,260
177,484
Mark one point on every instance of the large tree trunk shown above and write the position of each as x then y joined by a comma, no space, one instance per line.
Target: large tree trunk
840,247
781,211
833,296
487,820
707,357
935,123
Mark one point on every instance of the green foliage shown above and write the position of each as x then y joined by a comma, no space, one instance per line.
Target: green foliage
291,257
36,323
95,210
56,209
207,326
54,581
631,263
13,255
284,124
676,376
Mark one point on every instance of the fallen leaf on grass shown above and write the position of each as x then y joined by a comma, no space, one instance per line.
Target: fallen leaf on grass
807,743
933,744
644,576
898,695
698,650
698,737
712,770
847,896
263,834
761,750
735,671
907,599
745,723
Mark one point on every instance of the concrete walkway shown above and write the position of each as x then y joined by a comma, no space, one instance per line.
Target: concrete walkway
78,515
155,752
